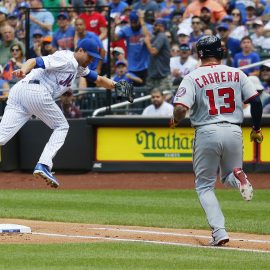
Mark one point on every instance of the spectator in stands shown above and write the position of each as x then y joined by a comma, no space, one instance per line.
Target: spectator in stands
179,6
3,86
159,64
21,8
247,57
68,106
13,21
227,58
37,39
176,19
250,13
146,5
232,44
137,53
117,7
123,74
183,36
265,76
55,4
81,33
257,37
118,54
206,19
166,8
196,34
194,8
47,47
94,21
159,106
120,22
8,39
237,28
9,5
63,38
3,16
168,34
183,64
175,50
40,18
260,88
14,63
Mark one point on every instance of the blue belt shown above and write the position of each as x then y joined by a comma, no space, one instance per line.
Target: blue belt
34,82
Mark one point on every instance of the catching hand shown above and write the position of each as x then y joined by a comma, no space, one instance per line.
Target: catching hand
256,136
124,89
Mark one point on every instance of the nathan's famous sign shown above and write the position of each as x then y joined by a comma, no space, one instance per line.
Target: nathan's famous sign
152,144
144,144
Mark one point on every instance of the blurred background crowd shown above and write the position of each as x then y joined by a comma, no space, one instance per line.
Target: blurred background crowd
151,42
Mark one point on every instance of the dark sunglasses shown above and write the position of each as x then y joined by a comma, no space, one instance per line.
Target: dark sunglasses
196,22
15,50
235,14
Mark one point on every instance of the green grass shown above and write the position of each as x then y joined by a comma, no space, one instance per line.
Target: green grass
125,256
170,208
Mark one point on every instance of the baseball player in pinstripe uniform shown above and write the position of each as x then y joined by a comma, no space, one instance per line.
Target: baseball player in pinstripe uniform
214,94
43,79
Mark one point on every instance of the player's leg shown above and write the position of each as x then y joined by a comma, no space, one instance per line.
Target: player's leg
206,157
13,119
232,161
45,108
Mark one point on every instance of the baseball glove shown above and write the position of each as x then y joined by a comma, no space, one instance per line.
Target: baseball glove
124,89
256,136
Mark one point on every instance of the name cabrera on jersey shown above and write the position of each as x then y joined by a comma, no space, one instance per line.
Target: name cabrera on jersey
61,69
215,94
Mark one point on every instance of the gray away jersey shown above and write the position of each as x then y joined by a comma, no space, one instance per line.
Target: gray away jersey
215,94
61,68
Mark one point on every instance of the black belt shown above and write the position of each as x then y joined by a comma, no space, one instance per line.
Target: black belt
34,82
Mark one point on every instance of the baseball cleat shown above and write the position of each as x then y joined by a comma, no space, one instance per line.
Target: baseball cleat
245,187
44,172
220,242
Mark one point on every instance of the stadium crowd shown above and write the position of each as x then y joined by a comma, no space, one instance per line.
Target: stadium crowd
152,41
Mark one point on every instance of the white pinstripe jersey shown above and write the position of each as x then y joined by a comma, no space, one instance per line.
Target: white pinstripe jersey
215,94
61,68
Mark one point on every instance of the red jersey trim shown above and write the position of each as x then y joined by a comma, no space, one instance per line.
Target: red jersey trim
246,101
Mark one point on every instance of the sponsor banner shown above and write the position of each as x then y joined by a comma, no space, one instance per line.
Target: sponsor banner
265,145
151,144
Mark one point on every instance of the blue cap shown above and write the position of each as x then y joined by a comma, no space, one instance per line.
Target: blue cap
161,21
3,10
133,16
227,18
37,32
223,26
90,46
62,14
120,62
13,15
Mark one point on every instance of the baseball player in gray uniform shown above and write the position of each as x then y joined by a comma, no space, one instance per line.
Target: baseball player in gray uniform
214,94
43,79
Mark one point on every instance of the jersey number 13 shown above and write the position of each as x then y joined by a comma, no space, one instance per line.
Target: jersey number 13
228,100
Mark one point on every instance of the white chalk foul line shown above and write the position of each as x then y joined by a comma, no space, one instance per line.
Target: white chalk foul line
146,241
177,234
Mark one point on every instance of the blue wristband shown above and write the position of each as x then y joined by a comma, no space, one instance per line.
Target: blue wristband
91,76
39,63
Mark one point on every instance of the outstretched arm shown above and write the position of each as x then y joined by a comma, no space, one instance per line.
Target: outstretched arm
25,69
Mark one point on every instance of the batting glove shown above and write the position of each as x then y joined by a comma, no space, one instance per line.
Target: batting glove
256,136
